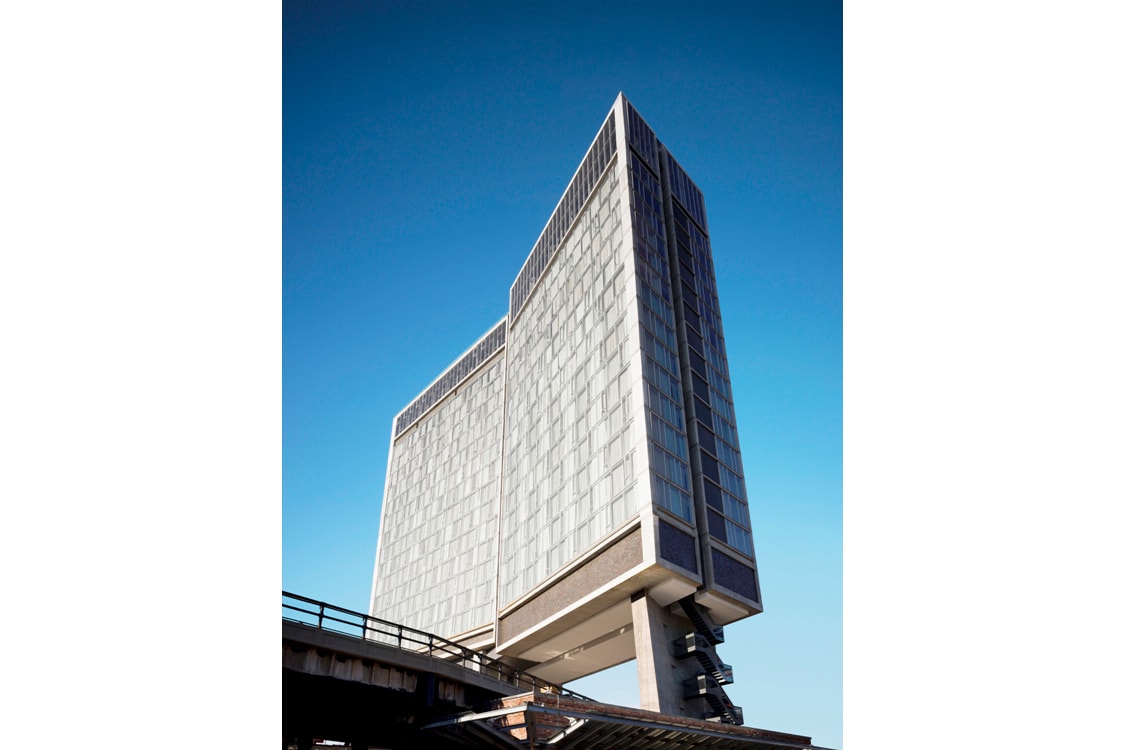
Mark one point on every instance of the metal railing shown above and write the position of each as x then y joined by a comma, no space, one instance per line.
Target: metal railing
324,616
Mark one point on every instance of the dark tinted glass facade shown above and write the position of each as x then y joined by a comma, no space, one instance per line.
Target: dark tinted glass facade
696,461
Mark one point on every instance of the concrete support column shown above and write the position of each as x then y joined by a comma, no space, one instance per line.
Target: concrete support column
659,674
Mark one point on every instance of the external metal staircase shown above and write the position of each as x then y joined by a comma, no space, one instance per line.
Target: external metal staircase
713,674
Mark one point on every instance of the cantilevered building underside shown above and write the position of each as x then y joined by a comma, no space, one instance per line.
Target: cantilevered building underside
570,492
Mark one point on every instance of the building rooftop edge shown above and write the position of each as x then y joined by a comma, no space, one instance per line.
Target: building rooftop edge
491,329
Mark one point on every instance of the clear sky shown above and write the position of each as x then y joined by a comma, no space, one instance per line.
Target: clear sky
188,189
425,145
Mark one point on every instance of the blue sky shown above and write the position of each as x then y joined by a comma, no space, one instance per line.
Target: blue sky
425,146
164,166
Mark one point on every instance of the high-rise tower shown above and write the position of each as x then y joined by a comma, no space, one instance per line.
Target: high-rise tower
570,491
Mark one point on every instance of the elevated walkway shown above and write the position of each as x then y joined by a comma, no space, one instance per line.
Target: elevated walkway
350,677
367,682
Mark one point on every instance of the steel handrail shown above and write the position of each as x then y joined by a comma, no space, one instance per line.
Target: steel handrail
435,646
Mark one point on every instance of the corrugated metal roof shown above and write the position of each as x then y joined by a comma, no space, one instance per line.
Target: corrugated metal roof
548,721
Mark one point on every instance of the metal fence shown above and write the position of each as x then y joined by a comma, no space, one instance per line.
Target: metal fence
324,616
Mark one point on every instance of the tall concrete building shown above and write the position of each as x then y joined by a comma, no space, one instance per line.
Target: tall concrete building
569,493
